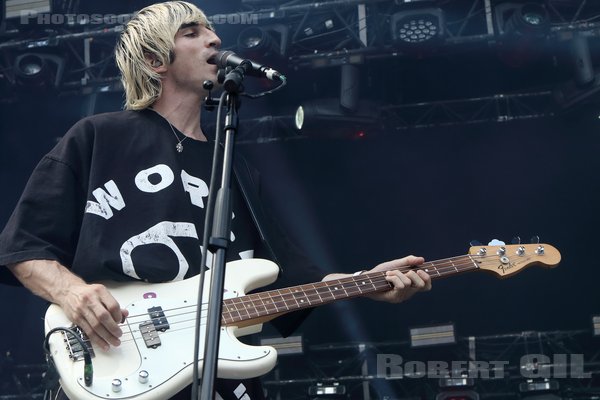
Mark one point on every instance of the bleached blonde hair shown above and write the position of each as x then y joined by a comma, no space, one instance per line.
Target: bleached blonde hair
151,31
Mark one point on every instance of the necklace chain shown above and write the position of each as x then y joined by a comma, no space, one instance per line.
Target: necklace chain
179,145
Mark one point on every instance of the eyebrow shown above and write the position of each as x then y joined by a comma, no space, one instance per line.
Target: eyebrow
189,24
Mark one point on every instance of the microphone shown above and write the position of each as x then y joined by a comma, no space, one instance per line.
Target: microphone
224,59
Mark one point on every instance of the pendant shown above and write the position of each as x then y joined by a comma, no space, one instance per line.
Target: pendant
179,147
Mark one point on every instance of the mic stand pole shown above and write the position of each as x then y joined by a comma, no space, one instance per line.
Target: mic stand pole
221,232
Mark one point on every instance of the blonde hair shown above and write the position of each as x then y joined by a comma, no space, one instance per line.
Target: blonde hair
151,31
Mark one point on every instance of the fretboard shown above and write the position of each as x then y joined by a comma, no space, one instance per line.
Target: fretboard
294,298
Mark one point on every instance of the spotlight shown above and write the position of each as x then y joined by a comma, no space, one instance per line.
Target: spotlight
37,70
329,391
522,19
285,346
263,41
326,118
21,8
418,26
544,389
432,335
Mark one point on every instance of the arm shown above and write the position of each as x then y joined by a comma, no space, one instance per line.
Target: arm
90,306
405,285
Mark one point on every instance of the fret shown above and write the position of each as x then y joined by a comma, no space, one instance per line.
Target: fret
262,304
325,292
453,265
239,309
475,265
283,298
304,291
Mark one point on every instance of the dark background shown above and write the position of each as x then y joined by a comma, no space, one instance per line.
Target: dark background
353,202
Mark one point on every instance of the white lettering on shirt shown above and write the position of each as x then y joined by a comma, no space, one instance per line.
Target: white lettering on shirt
144,184
158,234
196,187
106,200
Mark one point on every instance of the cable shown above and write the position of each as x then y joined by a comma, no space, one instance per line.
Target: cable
88,370
261,94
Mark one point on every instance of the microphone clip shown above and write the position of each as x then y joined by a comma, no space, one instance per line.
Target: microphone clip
209,102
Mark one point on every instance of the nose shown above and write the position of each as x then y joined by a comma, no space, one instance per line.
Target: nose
213,40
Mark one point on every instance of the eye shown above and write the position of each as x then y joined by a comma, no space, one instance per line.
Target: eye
191,34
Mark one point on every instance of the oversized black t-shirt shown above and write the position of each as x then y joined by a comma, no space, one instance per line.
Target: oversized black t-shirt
114,200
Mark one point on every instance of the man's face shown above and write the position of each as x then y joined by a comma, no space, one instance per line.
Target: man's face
194,45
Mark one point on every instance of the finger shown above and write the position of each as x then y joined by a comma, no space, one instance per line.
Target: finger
426,278
104,326
415,280
124,314
399,280
110,304
102,321
96,339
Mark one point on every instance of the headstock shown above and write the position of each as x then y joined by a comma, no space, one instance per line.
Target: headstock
507,260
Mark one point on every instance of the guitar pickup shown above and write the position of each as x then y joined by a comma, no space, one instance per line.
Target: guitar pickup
158,318
149,334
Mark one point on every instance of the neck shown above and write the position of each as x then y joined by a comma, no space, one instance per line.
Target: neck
259,307
182,111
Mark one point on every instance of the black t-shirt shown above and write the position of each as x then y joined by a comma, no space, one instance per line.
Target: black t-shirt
114,200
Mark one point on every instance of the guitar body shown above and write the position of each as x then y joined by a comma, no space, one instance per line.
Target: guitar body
168,363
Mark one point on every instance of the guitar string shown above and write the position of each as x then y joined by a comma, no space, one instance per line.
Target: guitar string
377,279
349,279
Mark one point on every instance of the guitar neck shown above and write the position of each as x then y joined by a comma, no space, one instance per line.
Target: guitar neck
264,306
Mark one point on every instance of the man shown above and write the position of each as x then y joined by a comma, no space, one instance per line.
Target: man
122,196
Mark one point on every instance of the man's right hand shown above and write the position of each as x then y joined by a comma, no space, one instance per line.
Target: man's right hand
96,311
90,306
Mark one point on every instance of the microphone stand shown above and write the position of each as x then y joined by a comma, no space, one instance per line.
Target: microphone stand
221,232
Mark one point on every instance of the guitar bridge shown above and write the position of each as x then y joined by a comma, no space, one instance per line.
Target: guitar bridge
73,345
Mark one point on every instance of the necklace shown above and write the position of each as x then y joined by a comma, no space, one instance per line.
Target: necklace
179,145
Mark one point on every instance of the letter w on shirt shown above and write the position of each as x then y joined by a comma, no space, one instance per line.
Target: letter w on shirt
111,197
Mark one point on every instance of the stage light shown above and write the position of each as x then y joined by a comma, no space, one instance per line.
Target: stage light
326,118
522,19
432,335
263,41
285,346
38,70
23,8
327,391
596,320
418,26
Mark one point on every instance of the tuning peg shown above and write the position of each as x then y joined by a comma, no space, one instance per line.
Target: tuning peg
516,240
535,239
475,243
496,242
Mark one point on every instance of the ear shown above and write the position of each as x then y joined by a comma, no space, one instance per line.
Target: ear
155,63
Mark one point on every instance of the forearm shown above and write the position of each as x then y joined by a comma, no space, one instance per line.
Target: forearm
90,306
46,278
